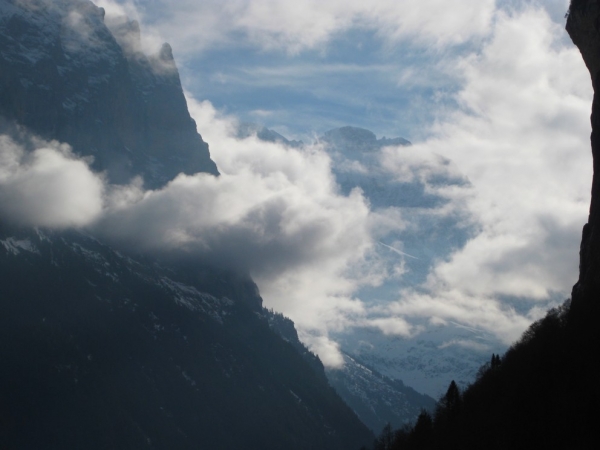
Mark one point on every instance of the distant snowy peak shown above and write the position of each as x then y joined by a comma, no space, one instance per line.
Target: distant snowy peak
247,129
358,139
339,139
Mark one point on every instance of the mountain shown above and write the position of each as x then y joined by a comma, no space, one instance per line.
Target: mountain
102,350
355,153
426,362
358,140
581,26
66,76
264,134
376,399
105,347
431,360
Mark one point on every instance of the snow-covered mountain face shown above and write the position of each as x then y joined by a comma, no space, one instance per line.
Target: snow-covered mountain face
377,399
66,76
427,362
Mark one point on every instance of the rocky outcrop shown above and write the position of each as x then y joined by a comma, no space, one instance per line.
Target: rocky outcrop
583,25
65,75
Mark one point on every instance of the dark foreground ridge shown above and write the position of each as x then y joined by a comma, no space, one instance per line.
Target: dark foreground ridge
544,392
100,351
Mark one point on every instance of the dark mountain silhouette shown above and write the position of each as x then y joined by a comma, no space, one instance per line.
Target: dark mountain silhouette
544,392
101,349
66,76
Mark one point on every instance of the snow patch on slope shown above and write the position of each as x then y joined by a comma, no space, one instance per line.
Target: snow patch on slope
14,246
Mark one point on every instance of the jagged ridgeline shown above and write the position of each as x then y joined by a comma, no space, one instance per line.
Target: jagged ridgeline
66,76
544,392
100,349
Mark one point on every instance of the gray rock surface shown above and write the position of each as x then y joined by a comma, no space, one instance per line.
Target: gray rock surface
65,75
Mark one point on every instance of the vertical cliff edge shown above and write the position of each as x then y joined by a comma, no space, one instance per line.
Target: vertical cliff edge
583,25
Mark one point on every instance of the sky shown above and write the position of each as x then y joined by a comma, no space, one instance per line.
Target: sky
489,92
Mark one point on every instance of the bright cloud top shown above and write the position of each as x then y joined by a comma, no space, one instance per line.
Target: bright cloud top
47,187
306,24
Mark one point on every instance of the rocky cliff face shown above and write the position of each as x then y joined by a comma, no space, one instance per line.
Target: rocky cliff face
583,25
101,349
66,76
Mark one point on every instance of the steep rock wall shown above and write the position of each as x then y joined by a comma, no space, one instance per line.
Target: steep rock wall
583,25
65,75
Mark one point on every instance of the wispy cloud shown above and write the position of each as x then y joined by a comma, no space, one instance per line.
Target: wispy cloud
304,24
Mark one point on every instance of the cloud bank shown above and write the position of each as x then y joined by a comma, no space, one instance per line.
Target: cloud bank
521,136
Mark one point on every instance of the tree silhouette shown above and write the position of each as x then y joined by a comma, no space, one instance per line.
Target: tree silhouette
422,433
451,401
495,362
385,439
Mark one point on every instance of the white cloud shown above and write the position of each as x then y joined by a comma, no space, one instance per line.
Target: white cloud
117,8
518,135
328,350
304,24
392,326
521,137
328,235
48,186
